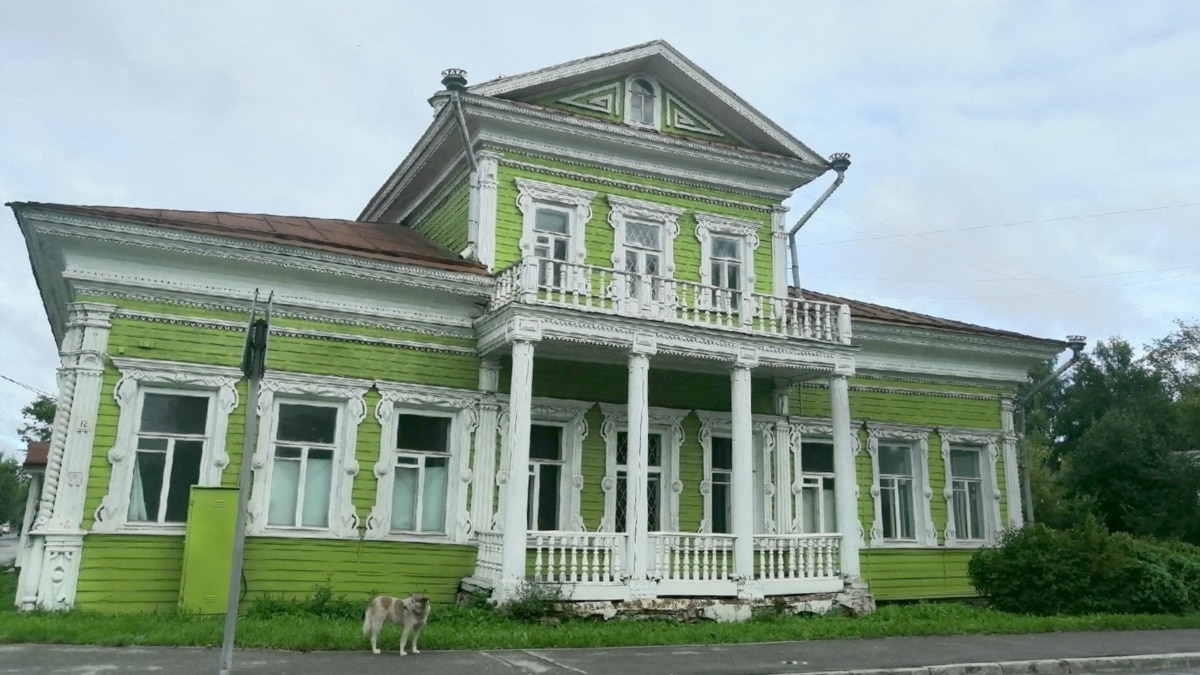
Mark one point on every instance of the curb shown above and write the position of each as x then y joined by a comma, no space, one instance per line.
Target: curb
1079,666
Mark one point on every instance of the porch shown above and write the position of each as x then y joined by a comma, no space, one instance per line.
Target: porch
591,566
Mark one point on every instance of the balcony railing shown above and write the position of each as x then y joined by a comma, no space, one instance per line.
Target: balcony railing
543,281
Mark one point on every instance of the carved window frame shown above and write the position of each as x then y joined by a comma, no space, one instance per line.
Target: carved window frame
347,396
659,103
571,415
665,421
987,442
917,437
765,490
624,209
708,224
575,202
820,429
461,406
139,376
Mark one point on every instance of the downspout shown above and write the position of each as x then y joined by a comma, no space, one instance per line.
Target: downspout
1076,343
839,162
455,80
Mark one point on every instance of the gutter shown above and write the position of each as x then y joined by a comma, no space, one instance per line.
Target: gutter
839,162
455,80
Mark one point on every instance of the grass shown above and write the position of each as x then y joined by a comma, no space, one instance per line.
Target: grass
326,623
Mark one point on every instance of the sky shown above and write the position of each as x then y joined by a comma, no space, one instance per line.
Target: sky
1028,166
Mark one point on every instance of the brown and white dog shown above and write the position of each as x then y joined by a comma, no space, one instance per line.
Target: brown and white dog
412,613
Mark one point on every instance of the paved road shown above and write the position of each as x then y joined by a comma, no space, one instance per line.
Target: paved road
759,659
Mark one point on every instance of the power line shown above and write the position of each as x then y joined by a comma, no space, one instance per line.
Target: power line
991,279
35,390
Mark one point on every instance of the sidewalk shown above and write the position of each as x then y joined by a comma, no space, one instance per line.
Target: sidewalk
1041,654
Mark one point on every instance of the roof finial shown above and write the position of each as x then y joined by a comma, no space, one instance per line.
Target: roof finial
454,79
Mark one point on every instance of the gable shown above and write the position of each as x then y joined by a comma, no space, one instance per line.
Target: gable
606,100
690,102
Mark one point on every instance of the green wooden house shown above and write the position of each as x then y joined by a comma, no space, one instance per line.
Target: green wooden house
560,344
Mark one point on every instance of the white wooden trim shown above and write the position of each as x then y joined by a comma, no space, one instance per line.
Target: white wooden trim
768,489
659,103
665,421
572,417
708,224
986,442
623,209
575,202
918,437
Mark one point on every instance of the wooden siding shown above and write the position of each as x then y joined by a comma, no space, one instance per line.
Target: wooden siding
129,573
913,574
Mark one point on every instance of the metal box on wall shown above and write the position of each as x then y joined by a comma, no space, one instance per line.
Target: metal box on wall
208,549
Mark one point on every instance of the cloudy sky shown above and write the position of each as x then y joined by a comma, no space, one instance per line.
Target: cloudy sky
1028,166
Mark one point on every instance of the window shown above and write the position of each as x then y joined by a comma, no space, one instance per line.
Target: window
722,485
727,248
643,258
422,465
551,244
554,218
896,487
545,476
900,485
302,467
643,246
966,480
171,436
662,472
818,510
971,492
642,102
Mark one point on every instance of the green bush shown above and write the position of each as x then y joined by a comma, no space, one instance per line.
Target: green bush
322,603
1085,570
534,603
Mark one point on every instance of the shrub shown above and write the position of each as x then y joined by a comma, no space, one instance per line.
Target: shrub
322,603
1039,570
535,603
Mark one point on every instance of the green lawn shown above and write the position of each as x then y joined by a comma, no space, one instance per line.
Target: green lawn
473,628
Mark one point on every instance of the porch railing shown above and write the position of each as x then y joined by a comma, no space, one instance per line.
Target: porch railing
789,557
577,557
679,556
489,556
543,281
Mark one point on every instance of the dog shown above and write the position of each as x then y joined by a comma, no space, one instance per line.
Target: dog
412,613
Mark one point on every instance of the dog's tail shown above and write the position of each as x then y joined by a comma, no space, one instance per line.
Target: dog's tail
367,621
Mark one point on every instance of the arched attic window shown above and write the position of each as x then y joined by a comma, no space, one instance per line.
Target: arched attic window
642,103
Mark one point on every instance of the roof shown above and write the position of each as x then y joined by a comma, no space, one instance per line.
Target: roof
866,311
380,241
36,454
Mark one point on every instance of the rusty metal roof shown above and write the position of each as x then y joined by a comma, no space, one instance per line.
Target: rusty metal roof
36,454
380,241
866,311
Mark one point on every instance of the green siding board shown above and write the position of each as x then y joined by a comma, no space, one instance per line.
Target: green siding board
691,474
895,574
593,467
446,223
123,573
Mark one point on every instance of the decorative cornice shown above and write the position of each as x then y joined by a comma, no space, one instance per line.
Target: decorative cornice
907,392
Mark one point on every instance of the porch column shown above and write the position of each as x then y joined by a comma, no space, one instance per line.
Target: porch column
637,515
483,483
843,471
743,470
783,458
516,495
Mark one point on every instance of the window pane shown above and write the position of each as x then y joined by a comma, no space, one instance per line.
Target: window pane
964,463
317,483
895,460
975,499
643,235
545,442
622,501
816,456
622,448
285,484
720,508
560,249
159,444
404,498
307,423
548,220
419,432
887,499
722,453
174,414
651,264
655,450
144,496
547,497
905,510
726,247
810,503
185,472
653,492
433,507
830,506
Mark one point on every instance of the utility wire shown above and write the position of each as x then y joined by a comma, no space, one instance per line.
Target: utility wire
35,390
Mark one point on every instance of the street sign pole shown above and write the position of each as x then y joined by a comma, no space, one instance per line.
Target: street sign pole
254,361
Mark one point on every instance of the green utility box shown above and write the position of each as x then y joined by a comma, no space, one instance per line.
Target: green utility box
208,549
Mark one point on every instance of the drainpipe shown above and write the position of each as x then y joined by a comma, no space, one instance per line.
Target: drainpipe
1020,405
455,80
839,162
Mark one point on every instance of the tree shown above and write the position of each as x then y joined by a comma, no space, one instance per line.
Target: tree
39,419
14,485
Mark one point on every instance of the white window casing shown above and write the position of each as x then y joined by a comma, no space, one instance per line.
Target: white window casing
987,443
664,421
139,376
817,429
576,203
461,408
917,439
745,232
655,102
623,210
344,394
765,483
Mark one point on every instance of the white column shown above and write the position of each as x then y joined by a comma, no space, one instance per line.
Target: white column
516,496
844,474
1012,474
483,193
743,471
637,517
483,480
779,251
783,457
